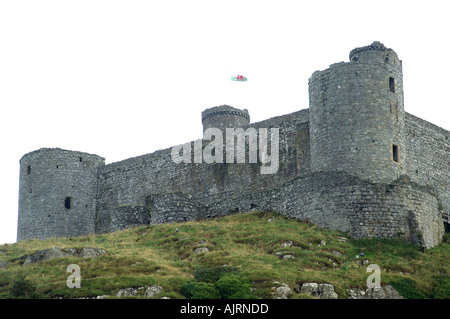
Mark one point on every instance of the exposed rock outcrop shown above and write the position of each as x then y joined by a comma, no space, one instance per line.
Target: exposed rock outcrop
150,292
281,292
386,292
326,291
322,291
57,252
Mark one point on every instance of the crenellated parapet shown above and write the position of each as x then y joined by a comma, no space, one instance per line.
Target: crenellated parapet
225,116
375,52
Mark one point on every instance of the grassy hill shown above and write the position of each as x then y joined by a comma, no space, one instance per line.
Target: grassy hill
245,250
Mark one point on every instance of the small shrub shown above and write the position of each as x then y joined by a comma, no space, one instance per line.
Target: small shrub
199,290
441,286
233,287
186,289
407,288
23,288
213,274
203,290
216,284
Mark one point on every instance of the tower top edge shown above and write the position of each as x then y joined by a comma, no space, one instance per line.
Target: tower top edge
225,110
375,46
61,151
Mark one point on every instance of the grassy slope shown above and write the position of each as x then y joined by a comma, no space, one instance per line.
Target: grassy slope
159,255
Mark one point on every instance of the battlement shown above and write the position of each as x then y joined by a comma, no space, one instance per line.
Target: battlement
225,109
58,155
375,52
225,116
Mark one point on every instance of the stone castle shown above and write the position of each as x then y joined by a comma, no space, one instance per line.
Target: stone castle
354,161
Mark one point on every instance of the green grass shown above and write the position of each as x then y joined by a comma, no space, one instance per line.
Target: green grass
245,243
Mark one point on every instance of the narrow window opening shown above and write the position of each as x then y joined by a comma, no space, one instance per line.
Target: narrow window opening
81,159
31,190
57,166
68,203
28,170
392,84
395,153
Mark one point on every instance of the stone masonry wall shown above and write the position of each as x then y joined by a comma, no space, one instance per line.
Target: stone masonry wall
129,216
129,182
429,156
174,207
337,200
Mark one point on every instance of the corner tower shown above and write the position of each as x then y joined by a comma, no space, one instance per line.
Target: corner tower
224,116
357,115
57,194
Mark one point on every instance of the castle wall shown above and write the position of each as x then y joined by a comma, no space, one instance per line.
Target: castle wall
364,209
339,201
174,208
128,216
429,156
129,182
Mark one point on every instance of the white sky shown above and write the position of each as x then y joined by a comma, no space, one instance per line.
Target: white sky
126,78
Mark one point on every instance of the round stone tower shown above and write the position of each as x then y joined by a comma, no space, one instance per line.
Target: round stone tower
57,193
224,116
357,115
